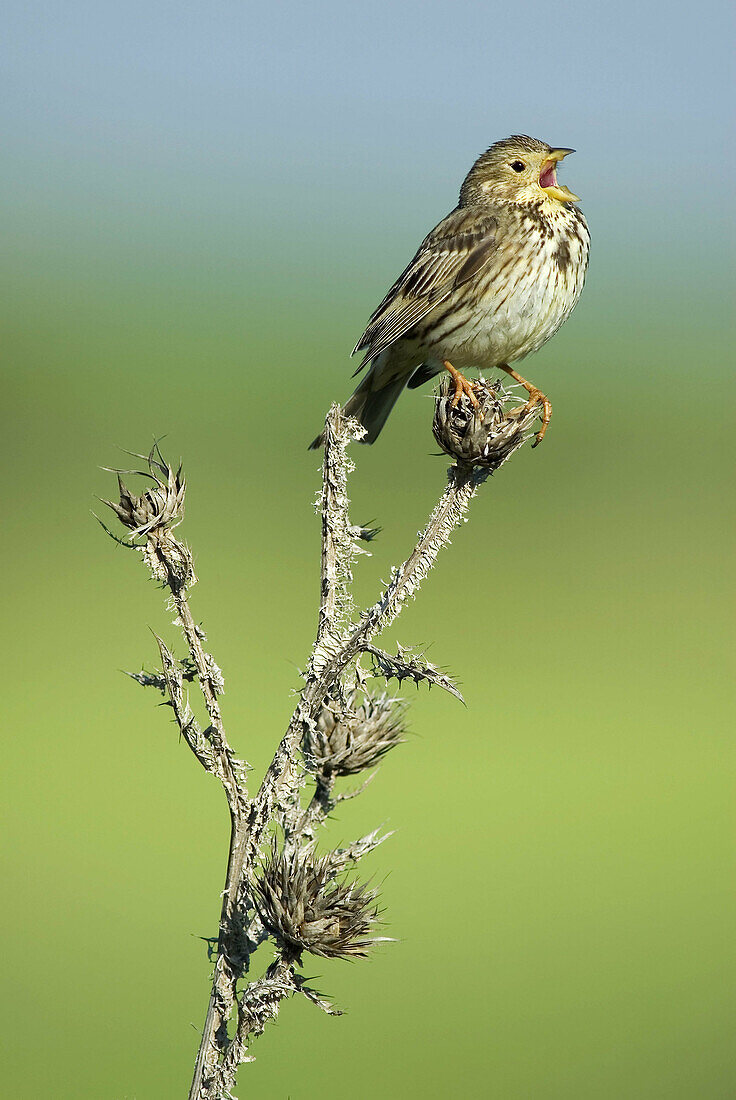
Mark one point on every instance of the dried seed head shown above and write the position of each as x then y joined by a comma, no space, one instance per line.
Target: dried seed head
485,437
302,902
350,738
159,508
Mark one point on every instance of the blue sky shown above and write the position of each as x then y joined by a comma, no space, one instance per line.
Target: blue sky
324,138
347,96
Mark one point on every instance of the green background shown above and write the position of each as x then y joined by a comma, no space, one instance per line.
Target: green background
560,881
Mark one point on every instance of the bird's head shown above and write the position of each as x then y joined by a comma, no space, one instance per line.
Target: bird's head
518,169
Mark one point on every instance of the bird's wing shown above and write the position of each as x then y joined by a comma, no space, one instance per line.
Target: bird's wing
453,253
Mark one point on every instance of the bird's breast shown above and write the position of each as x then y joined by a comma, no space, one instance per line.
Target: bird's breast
519,300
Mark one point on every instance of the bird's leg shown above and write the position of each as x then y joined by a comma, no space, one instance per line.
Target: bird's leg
536,397
462,386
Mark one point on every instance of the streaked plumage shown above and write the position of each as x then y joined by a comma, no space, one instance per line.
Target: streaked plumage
489,285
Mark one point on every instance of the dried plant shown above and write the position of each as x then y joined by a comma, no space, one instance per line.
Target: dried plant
157,509
305,907
277,887
484,436
348,739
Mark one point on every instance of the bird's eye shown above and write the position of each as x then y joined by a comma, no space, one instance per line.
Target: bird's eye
518,165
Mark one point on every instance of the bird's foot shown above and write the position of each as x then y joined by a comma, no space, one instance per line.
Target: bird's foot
462,386
536,397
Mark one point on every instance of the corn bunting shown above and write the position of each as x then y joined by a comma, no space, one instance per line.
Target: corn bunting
490,284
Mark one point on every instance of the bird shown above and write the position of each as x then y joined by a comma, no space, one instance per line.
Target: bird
489,285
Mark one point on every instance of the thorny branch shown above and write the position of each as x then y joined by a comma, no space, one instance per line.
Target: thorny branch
276,885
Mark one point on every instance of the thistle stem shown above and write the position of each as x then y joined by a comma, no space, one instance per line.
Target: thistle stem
340,642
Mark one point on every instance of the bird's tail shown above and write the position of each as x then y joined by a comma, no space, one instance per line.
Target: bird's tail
370,404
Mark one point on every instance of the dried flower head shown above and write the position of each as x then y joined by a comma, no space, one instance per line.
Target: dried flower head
486,436
350,738
159,508
303,903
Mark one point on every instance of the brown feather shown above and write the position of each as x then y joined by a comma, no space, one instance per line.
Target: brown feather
454,252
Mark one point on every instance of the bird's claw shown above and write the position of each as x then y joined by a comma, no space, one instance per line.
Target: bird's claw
462,386
536,397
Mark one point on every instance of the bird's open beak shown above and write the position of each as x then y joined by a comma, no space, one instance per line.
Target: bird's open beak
548,177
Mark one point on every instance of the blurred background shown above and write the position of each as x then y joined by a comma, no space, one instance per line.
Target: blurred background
202,205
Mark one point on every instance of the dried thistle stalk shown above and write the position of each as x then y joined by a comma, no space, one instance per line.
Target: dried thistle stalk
338,728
